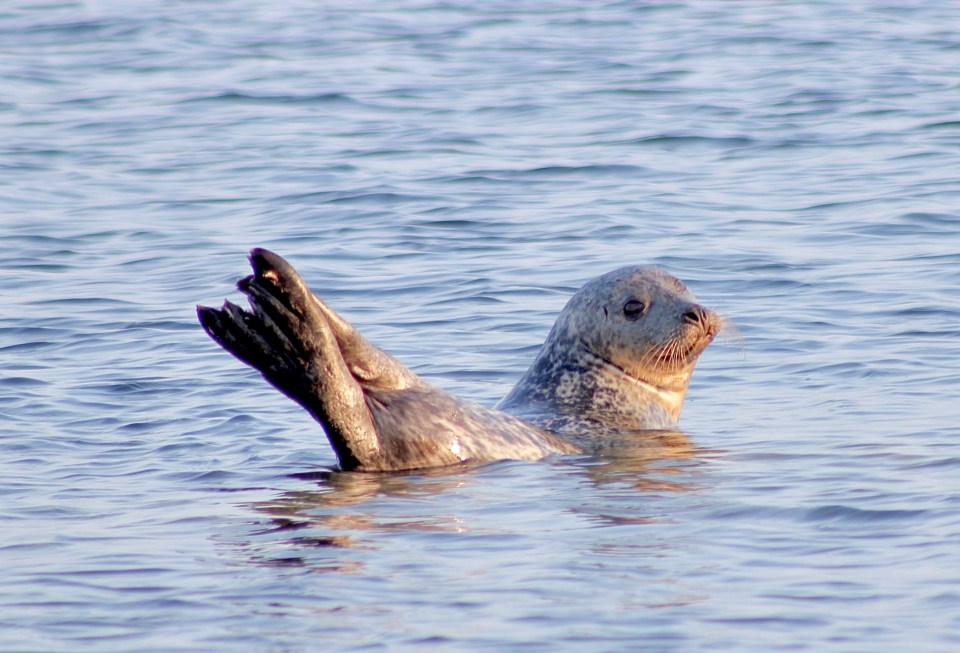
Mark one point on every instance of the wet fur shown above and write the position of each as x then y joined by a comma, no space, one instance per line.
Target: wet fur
377,414
598,374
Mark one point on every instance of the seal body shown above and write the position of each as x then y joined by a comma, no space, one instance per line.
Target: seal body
618,359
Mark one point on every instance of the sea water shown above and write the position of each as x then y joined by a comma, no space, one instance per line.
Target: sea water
446,174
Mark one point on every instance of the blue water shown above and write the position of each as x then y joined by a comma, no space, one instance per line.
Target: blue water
446,174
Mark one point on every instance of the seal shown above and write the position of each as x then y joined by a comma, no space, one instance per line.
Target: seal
618,359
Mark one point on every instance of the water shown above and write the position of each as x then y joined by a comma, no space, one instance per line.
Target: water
446,174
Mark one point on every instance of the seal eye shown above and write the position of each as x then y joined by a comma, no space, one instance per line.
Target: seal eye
633,309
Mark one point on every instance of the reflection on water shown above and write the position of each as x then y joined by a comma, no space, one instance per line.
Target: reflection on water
338,488
342,511
312,528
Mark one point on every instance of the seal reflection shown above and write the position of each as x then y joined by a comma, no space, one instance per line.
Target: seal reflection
332,526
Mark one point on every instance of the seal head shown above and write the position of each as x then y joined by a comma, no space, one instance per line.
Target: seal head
619,357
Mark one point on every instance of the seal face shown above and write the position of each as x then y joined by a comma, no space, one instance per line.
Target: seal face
618,359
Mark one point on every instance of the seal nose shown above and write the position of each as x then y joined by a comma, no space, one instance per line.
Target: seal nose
695,315
704,319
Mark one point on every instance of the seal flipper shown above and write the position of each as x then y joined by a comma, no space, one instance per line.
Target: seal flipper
288,340
369,364
378,415
372,367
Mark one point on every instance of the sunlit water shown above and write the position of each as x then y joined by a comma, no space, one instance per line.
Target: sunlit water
446,175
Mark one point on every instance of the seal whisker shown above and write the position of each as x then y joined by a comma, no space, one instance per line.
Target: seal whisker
730,333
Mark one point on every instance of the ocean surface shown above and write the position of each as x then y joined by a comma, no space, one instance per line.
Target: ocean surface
446,174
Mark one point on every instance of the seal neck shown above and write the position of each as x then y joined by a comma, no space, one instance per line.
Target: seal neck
670,398
571,390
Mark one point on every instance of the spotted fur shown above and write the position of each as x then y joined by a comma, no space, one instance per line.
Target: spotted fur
604,369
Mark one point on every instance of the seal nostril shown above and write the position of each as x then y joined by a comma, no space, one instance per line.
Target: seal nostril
694,316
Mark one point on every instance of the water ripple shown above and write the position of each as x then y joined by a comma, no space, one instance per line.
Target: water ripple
446,174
